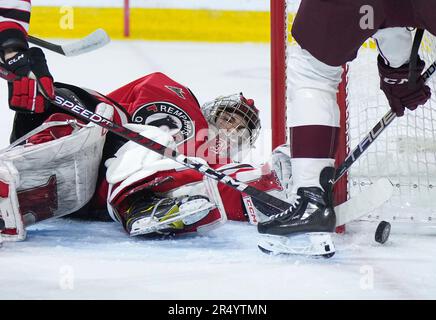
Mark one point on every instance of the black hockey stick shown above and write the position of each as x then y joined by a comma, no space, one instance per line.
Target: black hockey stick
374,133
91,42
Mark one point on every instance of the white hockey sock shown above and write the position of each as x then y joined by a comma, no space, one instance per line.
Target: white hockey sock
306,171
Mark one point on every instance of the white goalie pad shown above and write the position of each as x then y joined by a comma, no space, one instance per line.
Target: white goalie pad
133,164
50,179
9,208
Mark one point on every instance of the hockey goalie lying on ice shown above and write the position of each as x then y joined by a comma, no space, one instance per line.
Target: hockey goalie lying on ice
58,165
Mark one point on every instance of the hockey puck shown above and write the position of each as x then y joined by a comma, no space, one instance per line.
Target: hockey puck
383,231
2,224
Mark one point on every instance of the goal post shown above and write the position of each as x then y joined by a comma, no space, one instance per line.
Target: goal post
126,18
279,38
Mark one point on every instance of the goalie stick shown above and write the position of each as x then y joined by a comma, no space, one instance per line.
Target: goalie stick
72,107
91,42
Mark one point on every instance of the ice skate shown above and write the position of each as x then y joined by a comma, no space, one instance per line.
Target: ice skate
306,227
164,215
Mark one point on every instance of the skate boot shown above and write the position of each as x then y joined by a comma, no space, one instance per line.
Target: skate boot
165,216
306,227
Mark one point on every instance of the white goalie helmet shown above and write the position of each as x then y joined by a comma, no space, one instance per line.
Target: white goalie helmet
235,121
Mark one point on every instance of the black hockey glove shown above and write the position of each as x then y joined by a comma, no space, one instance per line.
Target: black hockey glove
394,83
26,94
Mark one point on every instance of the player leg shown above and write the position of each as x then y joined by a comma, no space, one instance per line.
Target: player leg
425,13
313,118
333,31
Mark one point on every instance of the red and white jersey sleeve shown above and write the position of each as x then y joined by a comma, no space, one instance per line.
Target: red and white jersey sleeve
15,14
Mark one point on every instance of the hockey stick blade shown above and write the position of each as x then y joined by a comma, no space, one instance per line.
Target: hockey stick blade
371,198
91,42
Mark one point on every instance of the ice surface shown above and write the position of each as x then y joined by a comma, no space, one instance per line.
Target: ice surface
70,259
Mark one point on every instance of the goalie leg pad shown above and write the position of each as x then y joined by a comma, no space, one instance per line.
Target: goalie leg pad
9,208
50,179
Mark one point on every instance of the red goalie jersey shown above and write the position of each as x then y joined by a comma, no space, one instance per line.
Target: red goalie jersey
158,101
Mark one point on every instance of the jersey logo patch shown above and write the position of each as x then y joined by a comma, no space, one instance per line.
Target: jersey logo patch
168,117
168,122
178,91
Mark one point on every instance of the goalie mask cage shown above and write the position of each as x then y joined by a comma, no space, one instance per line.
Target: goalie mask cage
405,153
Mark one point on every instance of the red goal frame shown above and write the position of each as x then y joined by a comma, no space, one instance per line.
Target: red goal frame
126,18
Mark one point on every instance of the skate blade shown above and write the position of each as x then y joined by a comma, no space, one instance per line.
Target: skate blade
149,225
313,245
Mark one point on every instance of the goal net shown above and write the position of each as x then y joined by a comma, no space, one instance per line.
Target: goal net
405,152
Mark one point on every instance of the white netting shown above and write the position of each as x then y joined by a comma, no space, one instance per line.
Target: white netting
405,152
